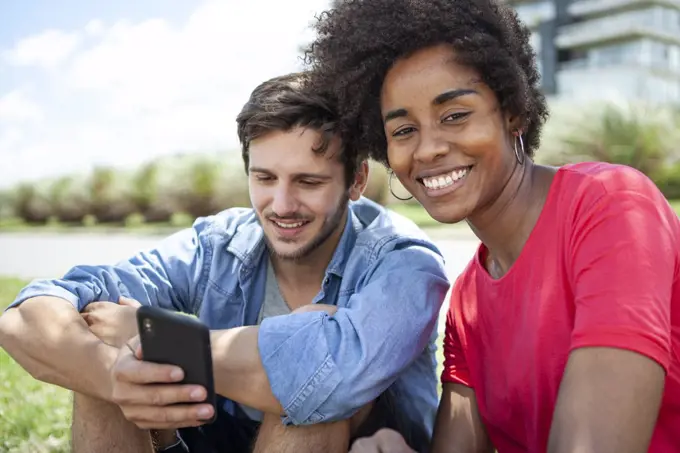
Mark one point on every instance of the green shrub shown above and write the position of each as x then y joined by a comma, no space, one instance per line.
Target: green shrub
668,181
181,219
53,221
89,221
6,205
172,189
134,220
11,222
144,188
231,189
377,189
111,195
69,199
32,203
168,186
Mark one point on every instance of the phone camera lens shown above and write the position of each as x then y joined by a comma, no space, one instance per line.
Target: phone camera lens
147,325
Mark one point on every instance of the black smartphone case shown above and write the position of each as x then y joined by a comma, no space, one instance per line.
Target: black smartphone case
172,338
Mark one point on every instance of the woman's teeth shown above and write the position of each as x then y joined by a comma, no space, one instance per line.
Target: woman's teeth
446,179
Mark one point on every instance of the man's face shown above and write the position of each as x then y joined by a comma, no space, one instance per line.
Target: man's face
300,196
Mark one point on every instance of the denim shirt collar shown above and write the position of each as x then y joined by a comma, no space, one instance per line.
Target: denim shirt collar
248,244
345,245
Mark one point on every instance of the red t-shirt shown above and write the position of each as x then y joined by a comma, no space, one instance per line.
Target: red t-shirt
600,268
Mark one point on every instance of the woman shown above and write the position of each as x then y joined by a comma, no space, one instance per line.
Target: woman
563,333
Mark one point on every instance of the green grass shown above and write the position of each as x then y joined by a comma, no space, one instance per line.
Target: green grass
34,417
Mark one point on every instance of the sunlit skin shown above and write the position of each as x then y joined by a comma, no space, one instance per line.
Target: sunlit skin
440,117
300,199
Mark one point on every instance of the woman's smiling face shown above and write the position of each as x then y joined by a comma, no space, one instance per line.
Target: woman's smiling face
448,141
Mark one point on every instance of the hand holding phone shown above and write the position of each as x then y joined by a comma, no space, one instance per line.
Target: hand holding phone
166,382
174,339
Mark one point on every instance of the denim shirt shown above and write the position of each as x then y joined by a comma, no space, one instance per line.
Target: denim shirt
386,278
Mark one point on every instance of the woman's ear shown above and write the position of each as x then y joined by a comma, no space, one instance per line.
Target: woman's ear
514,123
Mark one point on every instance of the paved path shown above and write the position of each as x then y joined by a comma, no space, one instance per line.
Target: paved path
51,255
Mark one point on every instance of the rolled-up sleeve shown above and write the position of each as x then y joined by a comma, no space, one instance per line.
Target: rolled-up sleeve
167,275
324,368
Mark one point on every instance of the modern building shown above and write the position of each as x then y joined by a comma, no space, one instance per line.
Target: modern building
595,49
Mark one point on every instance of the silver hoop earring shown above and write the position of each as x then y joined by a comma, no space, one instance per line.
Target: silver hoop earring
389,184
520,157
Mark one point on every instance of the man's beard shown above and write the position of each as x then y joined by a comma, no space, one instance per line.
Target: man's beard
327,229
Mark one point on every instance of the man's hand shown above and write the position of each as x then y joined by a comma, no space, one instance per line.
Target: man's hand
148,393
112,323
384,441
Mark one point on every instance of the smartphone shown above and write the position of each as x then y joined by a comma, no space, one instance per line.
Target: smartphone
172,338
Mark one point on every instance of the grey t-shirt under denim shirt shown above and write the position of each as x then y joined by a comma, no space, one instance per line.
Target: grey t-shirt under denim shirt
272,305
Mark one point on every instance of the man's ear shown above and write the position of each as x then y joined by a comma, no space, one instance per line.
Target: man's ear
356,189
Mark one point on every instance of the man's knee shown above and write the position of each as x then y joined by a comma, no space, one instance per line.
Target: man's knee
331,436
273,436
90,409
99,426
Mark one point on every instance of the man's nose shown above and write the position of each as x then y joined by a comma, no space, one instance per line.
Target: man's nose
284,203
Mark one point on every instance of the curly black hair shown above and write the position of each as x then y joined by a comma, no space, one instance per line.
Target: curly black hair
359,40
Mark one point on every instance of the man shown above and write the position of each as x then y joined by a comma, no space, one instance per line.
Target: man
322,306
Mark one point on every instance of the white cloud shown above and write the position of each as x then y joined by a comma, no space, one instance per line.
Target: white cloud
47,49
95,27
15,106
131,91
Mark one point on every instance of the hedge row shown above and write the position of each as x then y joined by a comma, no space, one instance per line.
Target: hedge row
172,189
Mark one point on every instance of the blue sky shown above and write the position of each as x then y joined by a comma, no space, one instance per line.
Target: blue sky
120,82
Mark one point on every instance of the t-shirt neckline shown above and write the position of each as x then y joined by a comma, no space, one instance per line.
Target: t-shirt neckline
482,250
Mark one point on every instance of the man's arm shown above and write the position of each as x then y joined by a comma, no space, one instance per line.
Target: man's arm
459,428
317,364
49,339
239,373
45,333
311,366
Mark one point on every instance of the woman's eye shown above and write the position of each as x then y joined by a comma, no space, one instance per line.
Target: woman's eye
404,131
456,116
